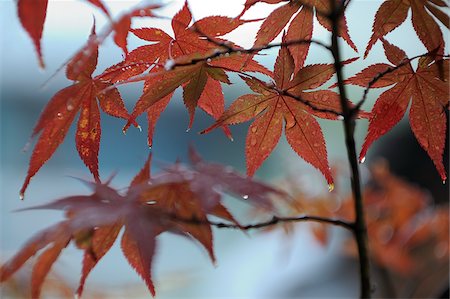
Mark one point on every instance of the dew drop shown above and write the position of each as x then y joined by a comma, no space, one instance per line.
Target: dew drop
330,187
340,117
139,128
21,196
227,54
444,181
151,202
124,131
59,115
187,130
69,107
208,60
245,196
26,146
362,160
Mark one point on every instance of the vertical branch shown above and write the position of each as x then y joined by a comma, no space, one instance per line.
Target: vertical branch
360,229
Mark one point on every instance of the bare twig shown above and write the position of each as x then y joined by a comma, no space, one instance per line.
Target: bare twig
275,220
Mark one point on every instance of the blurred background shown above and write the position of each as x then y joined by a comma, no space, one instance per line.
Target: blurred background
257,265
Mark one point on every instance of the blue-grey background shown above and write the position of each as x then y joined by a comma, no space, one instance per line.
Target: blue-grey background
263,265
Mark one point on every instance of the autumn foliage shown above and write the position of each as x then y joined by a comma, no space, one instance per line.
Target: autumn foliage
290,98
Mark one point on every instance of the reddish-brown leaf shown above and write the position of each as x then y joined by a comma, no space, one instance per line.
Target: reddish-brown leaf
122,27
193,90
44,264
429,95
38,242
178,200
160,84
61,110
138,246
32,15
275,22
102,240
88,133
300,28
392,13
270,109
189,43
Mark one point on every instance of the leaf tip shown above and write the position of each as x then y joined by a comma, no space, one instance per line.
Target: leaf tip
41,62
362,159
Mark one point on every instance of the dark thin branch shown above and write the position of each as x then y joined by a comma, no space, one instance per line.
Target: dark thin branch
275,220
228,50
384,73
360,229
308,103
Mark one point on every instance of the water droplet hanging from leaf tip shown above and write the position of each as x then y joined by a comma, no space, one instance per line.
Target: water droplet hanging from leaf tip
330,187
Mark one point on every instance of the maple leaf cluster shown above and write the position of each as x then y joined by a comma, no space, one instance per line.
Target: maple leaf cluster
197,58
177,200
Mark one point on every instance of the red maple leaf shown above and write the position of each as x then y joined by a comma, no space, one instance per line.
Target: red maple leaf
392,13
273,104
424,88
201,82
32,14
177,200
61,110
300,28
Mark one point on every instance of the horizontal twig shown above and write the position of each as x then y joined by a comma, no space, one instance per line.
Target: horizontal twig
275,220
